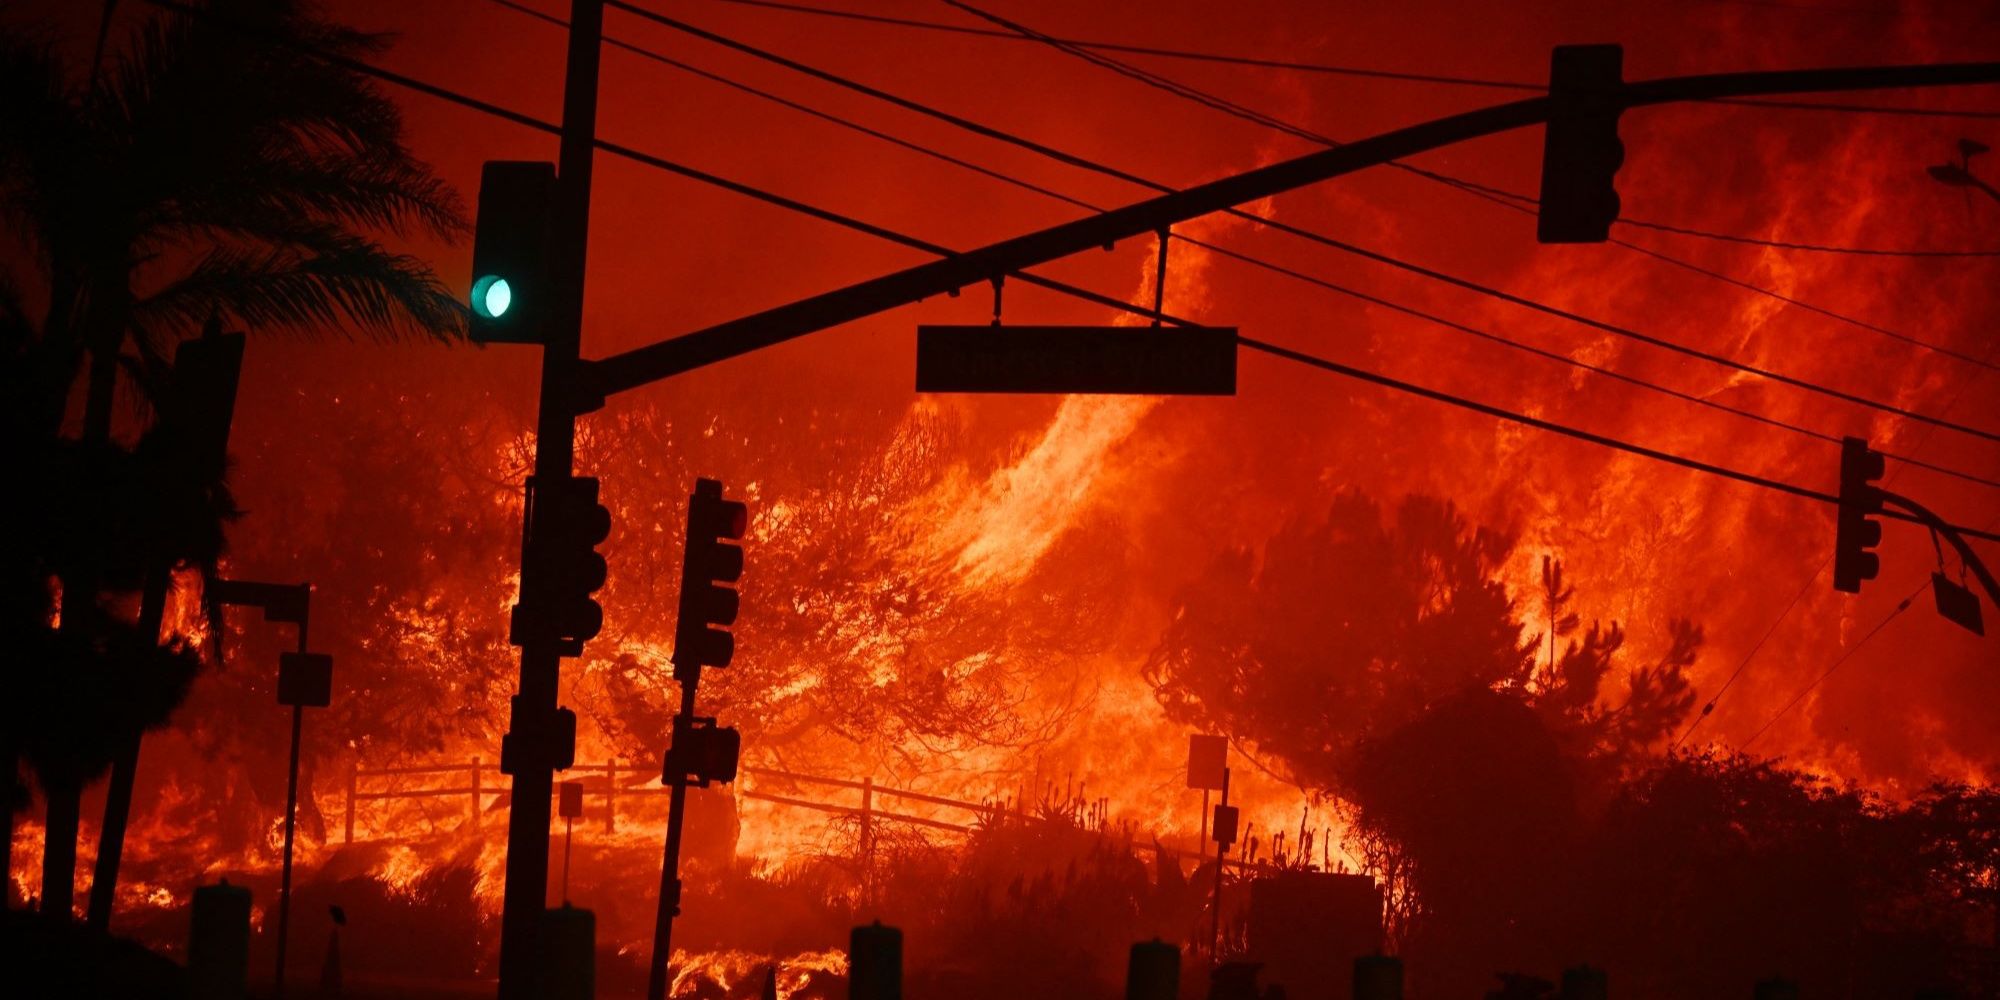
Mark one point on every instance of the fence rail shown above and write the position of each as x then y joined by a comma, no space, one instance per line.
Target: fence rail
644,781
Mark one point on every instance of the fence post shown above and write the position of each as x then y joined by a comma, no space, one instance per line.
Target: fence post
475,791
353,779
868,837
611,795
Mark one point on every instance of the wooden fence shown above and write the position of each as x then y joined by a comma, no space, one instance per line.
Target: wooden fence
645,781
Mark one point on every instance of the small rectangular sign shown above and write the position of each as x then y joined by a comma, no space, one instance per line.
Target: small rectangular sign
569,805
1957,604
1111,360
1207,757
1222,829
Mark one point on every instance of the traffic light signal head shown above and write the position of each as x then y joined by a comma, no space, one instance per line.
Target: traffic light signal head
1855,532
1581,151
702,752
710,565
510,279
565,526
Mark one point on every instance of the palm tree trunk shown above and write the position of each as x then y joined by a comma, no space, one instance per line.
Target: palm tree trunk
124,771
64,795
103,391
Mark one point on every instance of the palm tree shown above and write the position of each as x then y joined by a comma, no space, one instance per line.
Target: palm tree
210,169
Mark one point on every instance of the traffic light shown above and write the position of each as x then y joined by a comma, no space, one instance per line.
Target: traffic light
201,399
1581,152
548,743
702,752
562,565
709,566
510,274
1854,531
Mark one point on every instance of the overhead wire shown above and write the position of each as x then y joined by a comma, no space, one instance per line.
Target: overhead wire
1237,255
364,68
1845,655
1434,274
1246,258
1249,114
1323,68
1708,708
1257,218
1605,440
648,159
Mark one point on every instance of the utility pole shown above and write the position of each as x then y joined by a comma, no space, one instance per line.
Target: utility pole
535,722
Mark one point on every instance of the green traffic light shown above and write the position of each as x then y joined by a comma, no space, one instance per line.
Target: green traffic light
491,296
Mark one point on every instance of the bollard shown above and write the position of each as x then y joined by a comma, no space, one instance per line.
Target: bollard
1154,971
1378,977
875,963
1585,983
219,942
567,969
1777,988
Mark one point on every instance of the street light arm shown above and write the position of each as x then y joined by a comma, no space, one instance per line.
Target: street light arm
1951,534
640,366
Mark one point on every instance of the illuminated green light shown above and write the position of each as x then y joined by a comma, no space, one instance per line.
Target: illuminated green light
491,296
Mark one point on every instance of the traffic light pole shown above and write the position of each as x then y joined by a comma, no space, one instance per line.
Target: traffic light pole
533,720
670,866
291,826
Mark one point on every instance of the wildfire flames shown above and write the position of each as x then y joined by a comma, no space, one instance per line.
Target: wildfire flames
958,597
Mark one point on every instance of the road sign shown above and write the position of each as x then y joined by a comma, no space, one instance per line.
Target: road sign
1223,830
1115,360
1207,756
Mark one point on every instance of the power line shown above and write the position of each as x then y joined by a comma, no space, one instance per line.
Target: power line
1255,261
1087,164
1322,68
1567,360
1249,114
742,87
1842,658
1709,707
648,159
1580,434
1525,205
1809,307
442,93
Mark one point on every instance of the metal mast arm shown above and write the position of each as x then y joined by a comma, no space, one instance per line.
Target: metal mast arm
640,366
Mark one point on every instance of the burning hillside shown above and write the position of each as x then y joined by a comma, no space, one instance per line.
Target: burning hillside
1535,688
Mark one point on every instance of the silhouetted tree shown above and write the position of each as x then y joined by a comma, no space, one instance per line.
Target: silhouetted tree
1379,659
1340,630
202,172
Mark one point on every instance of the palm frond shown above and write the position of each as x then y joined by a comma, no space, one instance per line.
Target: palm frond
259,198
322,281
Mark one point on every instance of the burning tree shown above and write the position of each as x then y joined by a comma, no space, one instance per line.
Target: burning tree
1380,660
859,636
